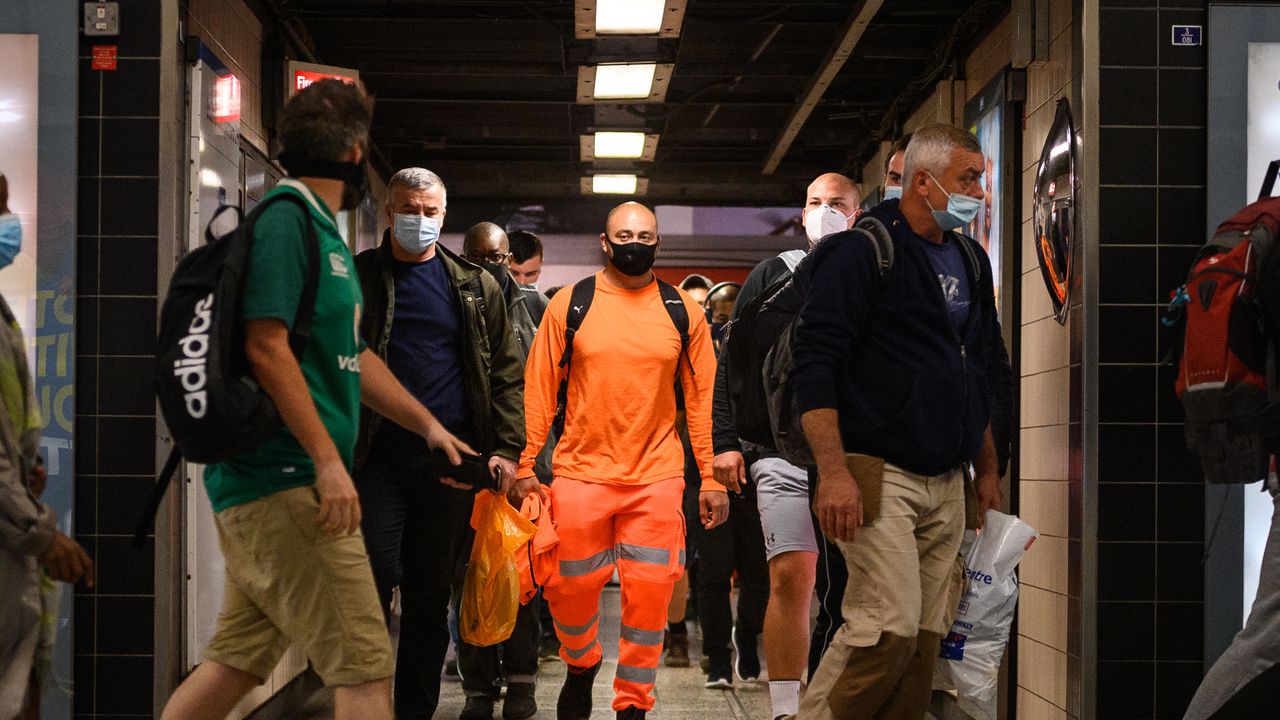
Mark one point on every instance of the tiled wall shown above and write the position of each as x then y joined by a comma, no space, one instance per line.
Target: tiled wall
234,34
1150,501
115,429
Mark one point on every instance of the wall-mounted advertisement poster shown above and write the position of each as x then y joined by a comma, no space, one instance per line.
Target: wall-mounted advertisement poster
987,228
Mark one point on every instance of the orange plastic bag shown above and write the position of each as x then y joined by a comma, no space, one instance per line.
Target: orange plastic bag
491,593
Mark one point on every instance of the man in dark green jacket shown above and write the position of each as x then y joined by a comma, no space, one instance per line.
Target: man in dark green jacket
440,323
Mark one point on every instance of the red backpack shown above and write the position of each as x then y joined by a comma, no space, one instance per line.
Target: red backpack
1227,376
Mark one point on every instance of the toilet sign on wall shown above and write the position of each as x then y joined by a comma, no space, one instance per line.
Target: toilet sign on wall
1188,35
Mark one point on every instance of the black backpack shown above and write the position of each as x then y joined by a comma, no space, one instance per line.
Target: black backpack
211,402
580,302
781,314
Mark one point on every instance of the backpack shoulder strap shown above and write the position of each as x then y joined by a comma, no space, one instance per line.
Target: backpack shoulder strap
674,305
579,303
971,257
300,335
881,242
476,286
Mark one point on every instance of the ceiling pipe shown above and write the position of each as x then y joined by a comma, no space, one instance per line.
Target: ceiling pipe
850,34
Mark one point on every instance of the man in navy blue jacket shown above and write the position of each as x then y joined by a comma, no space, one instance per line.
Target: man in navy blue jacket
891,371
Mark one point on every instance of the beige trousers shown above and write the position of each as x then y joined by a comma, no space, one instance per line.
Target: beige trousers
880,663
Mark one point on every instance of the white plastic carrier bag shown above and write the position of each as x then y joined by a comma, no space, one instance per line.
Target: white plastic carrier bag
969,663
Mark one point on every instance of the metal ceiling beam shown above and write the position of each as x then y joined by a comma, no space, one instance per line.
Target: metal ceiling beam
852,31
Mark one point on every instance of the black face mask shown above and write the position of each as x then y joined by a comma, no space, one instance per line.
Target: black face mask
634,258
354,177
499,273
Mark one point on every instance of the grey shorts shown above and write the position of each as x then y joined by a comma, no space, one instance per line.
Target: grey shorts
783,492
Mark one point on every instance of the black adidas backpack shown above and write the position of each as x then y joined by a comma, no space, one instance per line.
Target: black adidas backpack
211,402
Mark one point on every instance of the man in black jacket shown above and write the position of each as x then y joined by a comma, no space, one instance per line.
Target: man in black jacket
891,376
440,323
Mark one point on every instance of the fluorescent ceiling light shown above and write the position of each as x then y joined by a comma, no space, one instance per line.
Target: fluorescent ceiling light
614,184
630,80
619,144
629,17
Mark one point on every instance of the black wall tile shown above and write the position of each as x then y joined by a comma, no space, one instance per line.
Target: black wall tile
119,493
1128,156
1177,464
1127,393
126,446
87,265
1181,55
85,505
1126,690
142,38
128,386
87,309
1126,571
1168,406
1127,37
129,265
1127,216
1179,572
1180,513
88,160
86,440
89,88
1126,631
124,685
1127,334
132,90
1174,266
1181,631
139,155
1176,684
1128,275
1184,97
1182,157
124,569
128,326
87,202
132,627
82,679
1127,96
1126,453
87,384
1182,216
83,634
1127,511
130,206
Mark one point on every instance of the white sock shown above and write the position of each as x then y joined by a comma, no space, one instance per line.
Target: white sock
785,697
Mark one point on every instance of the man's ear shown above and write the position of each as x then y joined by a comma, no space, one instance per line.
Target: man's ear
604,243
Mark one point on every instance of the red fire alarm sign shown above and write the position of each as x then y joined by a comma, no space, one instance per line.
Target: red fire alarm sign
104,57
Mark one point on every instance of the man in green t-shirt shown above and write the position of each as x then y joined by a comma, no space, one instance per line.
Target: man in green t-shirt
287,512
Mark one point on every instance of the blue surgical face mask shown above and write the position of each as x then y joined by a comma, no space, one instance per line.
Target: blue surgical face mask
893,192
416,233
961,209
10,238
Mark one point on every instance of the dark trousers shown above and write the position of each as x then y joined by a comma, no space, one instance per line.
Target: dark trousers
415,530
738,545
832,576
516,659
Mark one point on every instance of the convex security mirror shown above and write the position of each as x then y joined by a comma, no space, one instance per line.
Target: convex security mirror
1055,216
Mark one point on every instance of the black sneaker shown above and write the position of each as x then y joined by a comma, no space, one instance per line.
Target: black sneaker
520,703
575,696
747,666
477,708
719,674
631,713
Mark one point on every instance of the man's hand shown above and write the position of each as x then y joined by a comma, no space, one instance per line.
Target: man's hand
438,438
730,470
990,494
339,503
66,561
838,504
508,470
713,506
520,489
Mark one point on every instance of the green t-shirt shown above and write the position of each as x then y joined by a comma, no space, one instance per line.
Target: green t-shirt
330,363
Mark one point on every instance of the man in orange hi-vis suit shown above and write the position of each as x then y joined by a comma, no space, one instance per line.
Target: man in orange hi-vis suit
619,467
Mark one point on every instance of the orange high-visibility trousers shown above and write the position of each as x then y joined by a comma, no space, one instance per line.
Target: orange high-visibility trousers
640,529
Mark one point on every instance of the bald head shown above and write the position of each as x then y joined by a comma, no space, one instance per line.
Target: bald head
631,215
483,240
835,190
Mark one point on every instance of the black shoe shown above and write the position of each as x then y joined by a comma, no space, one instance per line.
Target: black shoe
575,696
719,674
677,655
631,713
520,703
451,669
477,708
747,666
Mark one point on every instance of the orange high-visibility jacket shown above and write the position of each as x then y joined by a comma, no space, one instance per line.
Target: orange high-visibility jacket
620,420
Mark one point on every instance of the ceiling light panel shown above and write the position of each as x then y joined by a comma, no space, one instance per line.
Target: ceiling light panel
644,82
623,184
662,18
619,145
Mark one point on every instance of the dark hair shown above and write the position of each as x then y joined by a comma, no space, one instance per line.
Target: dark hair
524,245
325,120
899,146
695,282
551,291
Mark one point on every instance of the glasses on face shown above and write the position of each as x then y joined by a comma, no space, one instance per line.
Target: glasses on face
493,257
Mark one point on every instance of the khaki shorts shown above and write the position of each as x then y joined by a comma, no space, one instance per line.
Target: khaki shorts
290,582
